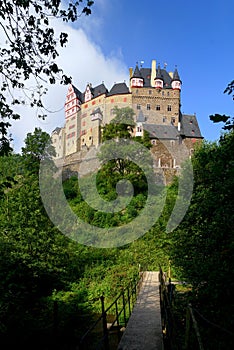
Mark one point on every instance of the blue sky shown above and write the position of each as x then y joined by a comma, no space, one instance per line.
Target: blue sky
197,36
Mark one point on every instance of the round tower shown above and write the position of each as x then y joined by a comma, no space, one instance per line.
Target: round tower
136,79
176,82
159,79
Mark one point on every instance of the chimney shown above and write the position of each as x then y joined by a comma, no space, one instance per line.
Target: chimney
130,72
153,72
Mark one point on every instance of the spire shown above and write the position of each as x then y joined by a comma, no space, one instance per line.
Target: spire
176,74
159,73
137,73
176,82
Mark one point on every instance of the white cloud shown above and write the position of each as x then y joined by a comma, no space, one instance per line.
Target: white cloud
85,62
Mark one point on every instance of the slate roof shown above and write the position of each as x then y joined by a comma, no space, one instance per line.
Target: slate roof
189,126
97,110
137,73
159,73
176,75
119,89
140,118
78,93
162,131
146,75
99,90
56,130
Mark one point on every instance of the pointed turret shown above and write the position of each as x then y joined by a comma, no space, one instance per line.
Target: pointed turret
158,79
136,79
176,82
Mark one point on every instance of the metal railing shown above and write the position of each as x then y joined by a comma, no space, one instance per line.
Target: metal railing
112,318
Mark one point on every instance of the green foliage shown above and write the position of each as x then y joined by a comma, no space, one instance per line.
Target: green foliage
228,120
203,244
30,52
38,147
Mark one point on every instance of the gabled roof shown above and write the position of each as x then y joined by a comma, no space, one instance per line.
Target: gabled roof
162,131
189,126
119,89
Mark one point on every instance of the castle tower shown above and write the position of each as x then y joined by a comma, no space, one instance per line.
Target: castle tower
176,82
72,127
137,80
159,79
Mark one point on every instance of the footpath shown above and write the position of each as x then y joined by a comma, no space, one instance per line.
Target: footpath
144,329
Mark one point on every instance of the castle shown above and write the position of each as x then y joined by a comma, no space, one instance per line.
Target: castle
154,95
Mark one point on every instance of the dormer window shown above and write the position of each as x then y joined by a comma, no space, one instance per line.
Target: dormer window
88,94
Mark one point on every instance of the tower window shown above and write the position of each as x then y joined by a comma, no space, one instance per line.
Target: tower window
169,108
150,92
138,106
148,106
158,108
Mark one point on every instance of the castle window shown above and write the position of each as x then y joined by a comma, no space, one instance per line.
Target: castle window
125,99
158,108
164,119
162,93
148,106
139,129
169,108
138,106
150,92
173,120
168,93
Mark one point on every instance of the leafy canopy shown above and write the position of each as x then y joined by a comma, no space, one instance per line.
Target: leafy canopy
228,120
30,51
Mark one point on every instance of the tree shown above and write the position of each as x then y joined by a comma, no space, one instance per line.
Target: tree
38,147
228,120
203,244
30,51
123,158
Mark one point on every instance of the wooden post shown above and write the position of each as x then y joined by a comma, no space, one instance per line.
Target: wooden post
117,319
104,325
187,330
55,316
196,328
129,303
124,310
